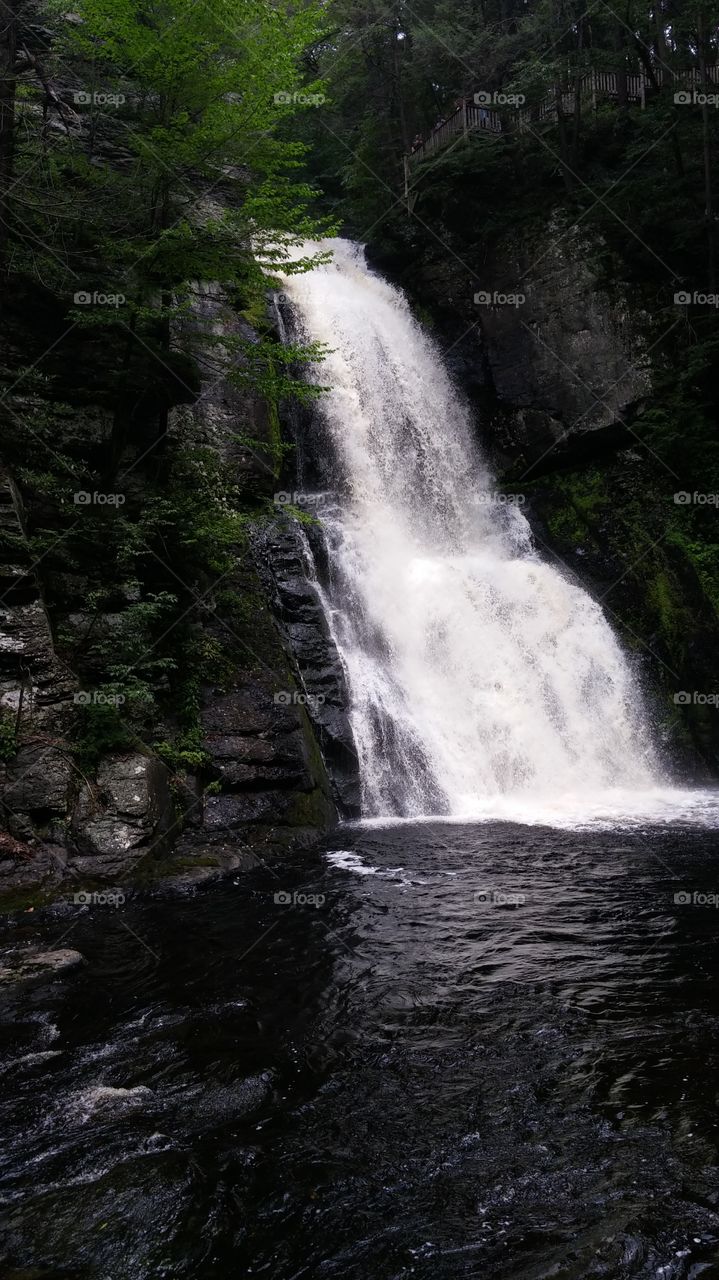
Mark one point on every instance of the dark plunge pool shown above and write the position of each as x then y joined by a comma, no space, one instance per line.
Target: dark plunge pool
424,1050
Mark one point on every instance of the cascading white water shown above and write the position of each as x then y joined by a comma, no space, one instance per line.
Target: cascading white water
479,674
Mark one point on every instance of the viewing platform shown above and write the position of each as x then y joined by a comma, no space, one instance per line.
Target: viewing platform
480,112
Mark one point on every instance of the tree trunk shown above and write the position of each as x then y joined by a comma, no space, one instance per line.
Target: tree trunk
397,73
8,89
621,72
706,150
562,128
578,93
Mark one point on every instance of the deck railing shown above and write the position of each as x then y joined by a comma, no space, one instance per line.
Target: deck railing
475,114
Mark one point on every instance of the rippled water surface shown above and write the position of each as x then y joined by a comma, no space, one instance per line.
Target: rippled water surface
484,1051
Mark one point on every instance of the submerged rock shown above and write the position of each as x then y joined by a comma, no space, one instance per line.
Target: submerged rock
222,1104
104,1097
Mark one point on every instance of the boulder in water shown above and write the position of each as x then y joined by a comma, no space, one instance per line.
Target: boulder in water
24,966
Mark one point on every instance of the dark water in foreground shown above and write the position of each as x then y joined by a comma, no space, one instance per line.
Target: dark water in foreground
401,1081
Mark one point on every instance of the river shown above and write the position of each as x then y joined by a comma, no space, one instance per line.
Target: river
426,1050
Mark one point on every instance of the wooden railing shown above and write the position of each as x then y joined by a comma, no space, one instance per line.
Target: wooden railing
472,115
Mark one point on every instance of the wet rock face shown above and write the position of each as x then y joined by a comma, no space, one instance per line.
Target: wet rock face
123,818
38,782
554,358
285,555
33,965
268,789
271,787
258,782
562,352
225,413
37,778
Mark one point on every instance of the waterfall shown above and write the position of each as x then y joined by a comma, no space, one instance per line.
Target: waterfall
479,673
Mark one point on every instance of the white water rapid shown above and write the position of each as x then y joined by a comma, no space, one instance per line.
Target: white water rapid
483,680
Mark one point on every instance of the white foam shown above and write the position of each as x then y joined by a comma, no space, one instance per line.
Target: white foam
103,1097
615,809
344,860
485,683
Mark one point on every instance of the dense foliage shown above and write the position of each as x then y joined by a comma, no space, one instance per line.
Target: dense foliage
141,155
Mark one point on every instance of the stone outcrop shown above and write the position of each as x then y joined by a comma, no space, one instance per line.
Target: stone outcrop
284,553
32,965
269,788
36,691
224,416
256,782
565,355
58,823
122,818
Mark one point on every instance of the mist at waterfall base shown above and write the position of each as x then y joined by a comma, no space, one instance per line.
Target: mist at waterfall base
484,681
